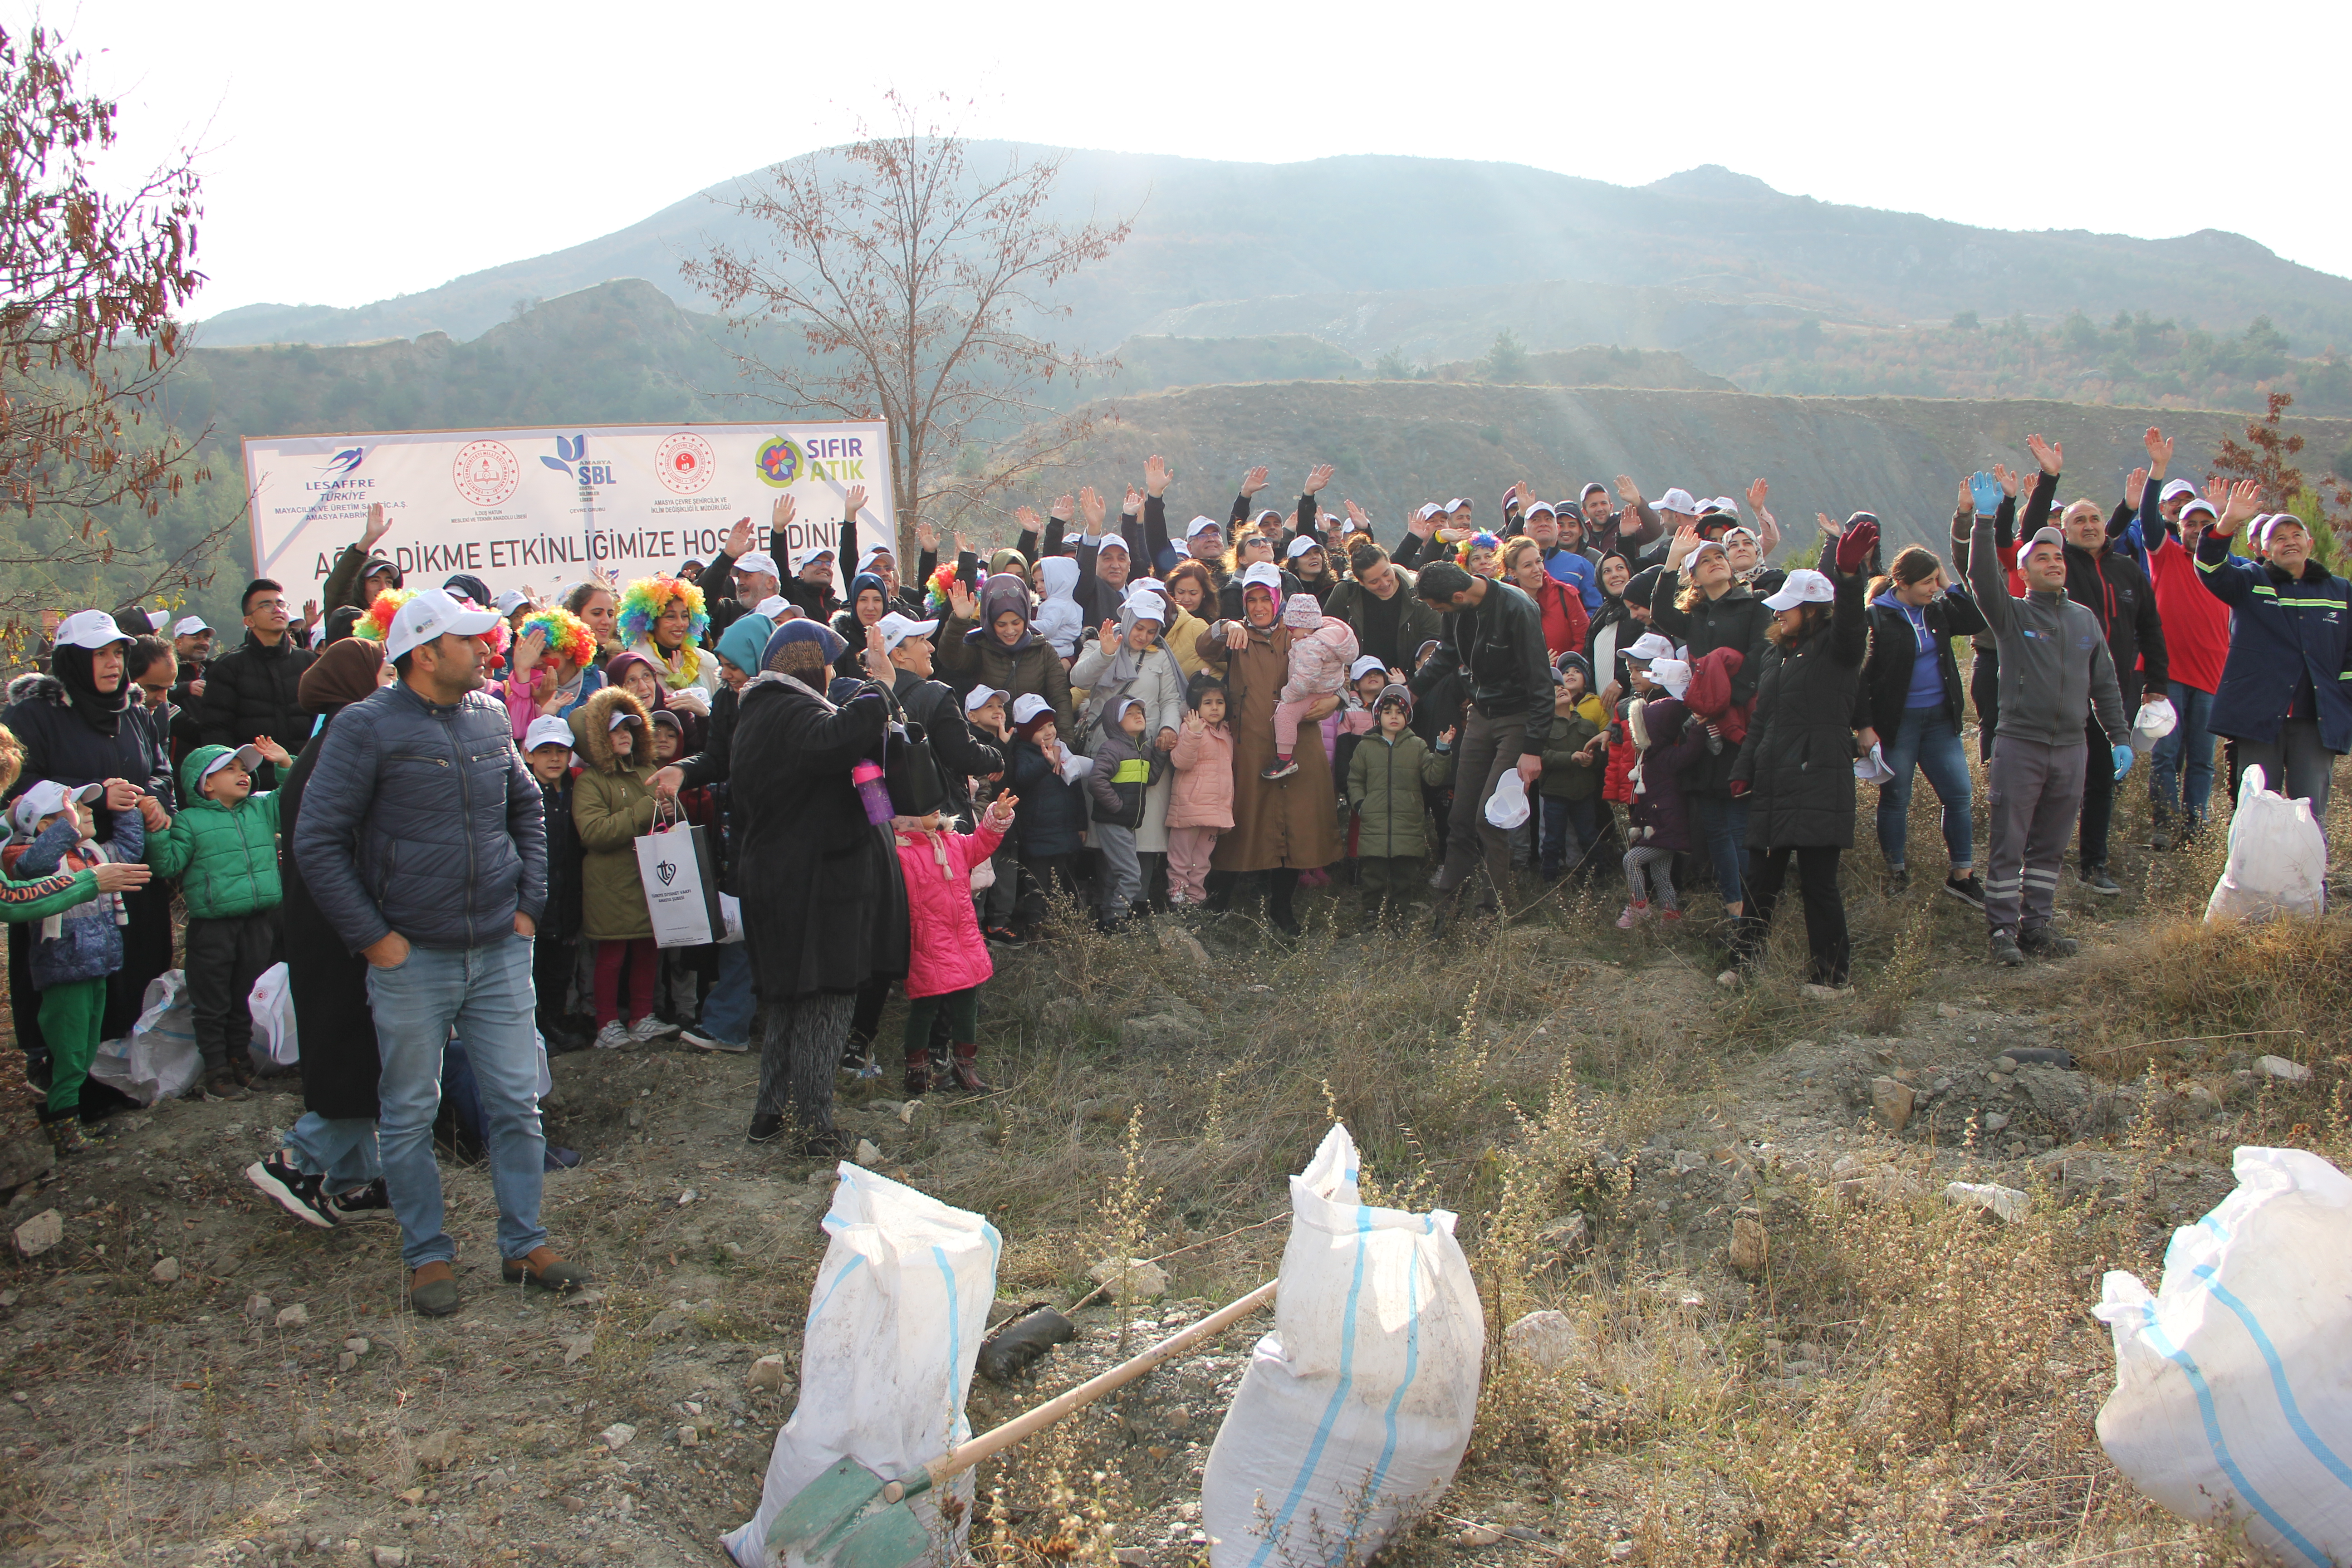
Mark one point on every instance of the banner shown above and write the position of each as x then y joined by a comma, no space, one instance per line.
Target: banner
541,508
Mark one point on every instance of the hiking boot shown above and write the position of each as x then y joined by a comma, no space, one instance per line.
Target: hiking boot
705,1042
765,1129
919,1073
2044,942
371,1202
292,1191
828,1143
221,1086
2095,877
65,1134
1281,769
649,1028
1969,890
433,1290
2005,951
965,1070
1898,880
613,1037
542,1268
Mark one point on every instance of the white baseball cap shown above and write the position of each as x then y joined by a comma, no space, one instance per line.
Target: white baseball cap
800,558
1459,503
547,731
865,558
1114,542
1300,546
1428,510
1147,604
434,613
249,755
189,627
2201,505
623,716
1027,706
757,561
514,599
1265,515
896,629
773,606
45,799
980,696
1263,574
2175,487
1201,525
1544,507
1674,674
1804,586
1368,664
1650,645
91,629
1677,500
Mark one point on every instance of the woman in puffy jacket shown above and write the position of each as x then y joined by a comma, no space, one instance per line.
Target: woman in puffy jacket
1565,618
988,642
1914,702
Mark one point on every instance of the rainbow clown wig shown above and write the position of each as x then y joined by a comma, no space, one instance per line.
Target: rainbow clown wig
643,601
568,637
378,621
935,594
1481,540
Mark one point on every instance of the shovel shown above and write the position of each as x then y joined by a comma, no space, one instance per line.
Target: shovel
851,1517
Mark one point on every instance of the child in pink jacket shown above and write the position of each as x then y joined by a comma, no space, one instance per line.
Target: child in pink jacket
1200,802
1321,648
947,960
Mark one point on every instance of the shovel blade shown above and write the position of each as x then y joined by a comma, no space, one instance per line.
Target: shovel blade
839,1521
891,1537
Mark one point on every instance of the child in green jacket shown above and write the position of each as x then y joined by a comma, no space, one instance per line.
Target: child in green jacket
1386,777
224,848
1571,790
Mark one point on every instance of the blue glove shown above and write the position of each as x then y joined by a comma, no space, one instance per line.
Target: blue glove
1987,492
2123,755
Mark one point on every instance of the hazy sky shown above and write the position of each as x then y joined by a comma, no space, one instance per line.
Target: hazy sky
355,152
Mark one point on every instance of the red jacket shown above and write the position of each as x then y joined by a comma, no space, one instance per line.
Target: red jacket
1565,619
946,953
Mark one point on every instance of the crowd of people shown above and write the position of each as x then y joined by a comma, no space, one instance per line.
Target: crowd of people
427,801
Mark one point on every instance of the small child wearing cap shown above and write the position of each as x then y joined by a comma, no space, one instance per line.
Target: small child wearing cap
1051,820
612,809
555,946
1126,767
1387,780
222,846
76,949
1571,789
1200,802
1321,648
1657,815
997,893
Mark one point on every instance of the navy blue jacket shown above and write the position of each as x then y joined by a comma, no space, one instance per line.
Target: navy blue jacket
2282,629
424,820
1052,815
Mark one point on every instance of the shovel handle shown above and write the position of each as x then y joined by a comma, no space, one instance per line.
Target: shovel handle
955,1461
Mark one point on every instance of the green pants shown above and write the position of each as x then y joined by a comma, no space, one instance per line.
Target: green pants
963,1008
69,1020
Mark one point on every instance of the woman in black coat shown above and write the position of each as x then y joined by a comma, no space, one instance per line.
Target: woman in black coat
328,1167
823,910
75,727
1797,765
1706,607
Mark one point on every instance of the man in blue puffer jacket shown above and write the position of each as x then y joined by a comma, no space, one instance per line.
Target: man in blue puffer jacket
422,839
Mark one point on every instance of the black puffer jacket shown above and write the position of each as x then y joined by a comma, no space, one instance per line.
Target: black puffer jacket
329,984
251,690
962,755
61,744
1738,619
1799,756
424,820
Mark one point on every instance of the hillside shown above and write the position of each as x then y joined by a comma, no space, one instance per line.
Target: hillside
1707,241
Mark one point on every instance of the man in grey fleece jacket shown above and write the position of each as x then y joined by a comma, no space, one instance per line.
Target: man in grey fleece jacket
2054,671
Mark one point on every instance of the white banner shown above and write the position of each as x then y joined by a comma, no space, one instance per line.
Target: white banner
542,507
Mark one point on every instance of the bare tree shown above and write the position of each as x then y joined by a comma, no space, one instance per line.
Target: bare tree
914,284
89,285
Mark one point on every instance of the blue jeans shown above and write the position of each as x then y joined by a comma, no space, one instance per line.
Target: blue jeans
1925,737
2182,763
1570,829
484,995
727,1011
1723,833
341,1148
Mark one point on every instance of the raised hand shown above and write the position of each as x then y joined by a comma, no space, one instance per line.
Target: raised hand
1317,477
378,525
2159,452
1026,516
1856,544
529,650
1255,480
1757,490
1981,491
780,516
1628,492
2245,501
1194,723
1000,811
2049,454
961,602
271,751
310,613
963,546
1109,636
2011,480
1686,540
926,537
1157,474
1134,502
1357,516
877,656
1828,525
1422,528
2134,486
739,540
855,501
1064,506
50,621
1090,507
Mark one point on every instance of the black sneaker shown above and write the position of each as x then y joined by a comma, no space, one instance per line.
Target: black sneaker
2095,877
1969,890
1898,880
2044,942
1003,936
2005,951
765,1129
292,1191
371,1202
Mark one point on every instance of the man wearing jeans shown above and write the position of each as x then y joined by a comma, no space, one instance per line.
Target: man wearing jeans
1494,638
422,839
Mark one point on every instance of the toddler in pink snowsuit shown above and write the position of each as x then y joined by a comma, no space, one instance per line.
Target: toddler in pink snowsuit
1321,649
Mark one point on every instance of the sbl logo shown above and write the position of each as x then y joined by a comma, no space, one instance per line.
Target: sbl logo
666,870
572,458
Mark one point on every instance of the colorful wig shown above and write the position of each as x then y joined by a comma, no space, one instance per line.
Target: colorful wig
643,601
568,637
378,619
934,594
1481,540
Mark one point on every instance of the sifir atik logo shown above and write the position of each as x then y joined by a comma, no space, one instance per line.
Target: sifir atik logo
572,458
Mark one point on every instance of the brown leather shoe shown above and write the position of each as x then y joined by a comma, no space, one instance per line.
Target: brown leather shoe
433,1290
542,1268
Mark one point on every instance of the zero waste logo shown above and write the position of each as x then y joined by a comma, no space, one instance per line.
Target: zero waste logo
780,462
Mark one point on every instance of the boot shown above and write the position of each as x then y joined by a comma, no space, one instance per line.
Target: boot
966,1070
65,1135
918,1072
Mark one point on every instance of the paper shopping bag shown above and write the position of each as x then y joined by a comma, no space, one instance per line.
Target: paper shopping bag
681,883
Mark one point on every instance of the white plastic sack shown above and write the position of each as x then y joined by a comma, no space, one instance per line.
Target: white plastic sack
271,1002
2234,1382
895,1321
1354,1413
2156,720
1872,768
159,1059
2278,861
1508,806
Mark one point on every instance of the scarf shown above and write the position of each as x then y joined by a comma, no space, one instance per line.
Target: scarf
346,673
101,711
679,674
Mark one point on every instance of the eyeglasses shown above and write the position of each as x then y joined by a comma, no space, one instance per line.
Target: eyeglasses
258,605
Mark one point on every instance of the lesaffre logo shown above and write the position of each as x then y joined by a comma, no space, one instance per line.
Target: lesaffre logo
572,460
780,462
344,462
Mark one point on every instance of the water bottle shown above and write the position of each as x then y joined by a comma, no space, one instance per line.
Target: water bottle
867,777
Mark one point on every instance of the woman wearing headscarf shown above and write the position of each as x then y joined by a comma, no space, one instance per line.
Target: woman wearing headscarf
824,909
328,1168
989,641
662,620
74,728
1282,827
642,676
869,600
